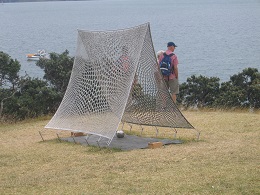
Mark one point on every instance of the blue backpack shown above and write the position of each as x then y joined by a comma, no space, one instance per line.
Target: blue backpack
165,65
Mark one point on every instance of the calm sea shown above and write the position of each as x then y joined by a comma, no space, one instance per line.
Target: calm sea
215,38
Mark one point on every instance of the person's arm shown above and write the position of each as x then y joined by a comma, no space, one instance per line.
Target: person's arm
175,66
176,72
160,59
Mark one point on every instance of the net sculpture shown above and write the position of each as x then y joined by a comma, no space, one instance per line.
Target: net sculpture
116,78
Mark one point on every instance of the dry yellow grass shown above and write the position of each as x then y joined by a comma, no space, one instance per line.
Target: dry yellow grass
225,161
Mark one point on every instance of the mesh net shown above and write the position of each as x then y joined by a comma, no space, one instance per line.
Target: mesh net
116,78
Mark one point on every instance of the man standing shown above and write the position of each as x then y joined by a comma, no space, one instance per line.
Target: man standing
172,79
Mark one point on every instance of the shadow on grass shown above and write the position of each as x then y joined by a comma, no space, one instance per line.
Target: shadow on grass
134,140
90,148
182,139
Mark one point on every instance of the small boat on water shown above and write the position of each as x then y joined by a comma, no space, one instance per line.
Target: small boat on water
37,56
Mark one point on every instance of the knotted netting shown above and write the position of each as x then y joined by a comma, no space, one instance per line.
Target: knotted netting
116,78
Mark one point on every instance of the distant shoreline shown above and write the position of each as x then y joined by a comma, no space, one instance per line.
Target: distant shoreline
22,1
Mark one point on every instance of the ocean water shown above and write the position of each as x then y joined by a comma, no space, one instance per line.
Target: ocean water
214,38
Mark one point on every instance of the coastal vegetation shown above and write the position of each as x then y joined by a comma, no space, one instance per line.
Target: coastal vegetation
24,97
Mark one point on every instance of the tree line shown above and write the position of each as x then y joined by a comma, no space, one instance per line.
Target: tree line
24,97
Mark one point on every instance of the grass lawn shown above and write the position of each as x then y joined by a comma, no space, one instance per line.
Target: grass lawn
226,160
